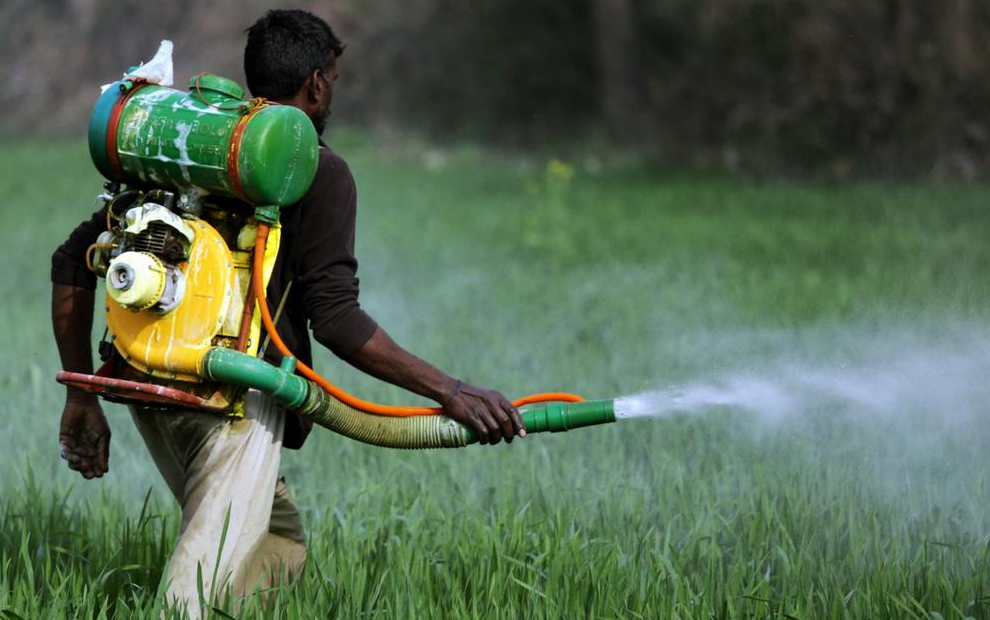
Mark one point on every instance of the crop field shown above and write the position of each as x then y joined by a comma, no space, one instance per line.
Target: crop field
526,273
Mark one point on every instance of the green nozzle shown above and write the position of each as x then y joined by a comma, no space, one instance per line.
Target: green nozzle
560,417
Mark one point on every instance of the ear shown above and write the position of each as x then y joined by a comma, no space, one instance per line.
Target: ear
315,85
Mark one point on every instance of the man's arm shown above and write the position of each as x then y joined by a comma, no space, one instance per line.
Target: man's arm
324,251
84,435
486,412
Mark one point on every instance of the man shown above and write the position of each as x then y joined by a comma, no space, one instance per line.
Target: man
224,472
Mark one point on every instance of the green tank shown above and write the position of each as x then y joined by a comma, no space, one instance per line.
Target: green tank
209,139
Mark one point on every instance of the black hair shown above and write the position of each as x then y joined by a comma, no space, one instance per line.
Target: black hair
283,48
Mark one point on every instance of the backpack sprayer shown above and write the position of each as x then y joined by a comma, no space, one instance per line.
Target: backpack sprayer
196,183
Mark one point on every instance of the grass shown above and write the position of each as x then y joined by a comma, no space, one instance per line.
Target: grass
525,275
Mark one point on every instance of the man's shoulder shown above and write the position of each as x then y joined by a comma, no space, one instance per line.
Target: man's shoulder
332,167
333,187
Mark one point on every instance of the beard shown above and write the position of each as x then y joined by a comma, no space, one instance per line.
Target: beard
320,120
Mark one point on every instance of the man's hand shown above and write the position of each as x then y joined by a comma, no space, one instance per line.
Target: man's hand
84,436
489,414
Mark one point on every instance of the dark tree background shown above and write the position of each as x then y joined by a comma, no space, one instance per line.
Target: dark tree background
887,86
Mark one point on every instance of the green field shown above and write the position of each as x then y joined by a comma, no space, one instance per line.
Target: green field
604,279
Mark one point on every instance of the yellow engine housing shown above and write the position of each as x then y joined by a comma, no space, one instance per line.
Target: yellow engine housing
170,346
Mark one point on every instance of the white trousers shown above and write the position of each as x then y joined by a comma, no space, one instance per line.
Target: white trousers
224,474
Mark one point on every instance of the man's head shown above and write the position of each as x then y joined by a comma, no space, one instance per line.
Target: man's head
291,57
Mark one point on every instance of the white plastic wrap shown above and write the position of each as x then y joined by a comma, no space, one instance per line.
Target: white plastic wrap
158,70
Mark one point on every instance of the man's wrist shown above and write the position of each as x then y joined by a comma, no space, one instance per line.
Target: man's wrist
79,397
454,391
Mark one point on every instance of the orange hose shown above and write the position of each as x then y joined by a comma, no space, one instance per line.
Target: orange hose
257,277
247,315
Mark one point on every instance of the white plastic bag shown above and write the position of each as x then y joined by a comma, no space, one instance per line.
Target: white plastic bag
158,70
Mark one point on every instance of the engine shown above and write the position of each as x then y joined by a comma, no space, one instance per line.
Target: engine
176,283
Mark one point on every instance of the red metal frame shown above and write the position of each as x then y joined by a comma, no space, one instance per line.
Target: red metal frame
133,391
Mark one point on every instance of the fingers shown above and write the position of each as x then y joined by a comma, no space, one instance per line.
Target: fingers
494,430
65,448
514,415
505,425
506,419
479,427
78,462
91,462
71,456
73,460
488,413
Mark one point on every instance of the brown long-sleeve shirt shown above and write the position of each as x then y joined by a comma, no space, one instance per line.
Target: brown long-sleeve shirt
316,255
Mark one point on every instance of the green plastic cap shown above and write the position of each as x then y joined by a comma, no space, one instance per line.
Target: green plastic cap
207,82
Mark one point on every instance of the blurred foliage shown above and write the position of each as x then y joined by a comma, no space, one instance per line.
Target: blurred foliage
895,85
892,87
545,228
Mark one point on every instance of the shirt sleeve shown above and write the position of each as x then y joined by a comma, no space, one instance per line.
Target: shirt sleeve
69,260
327,267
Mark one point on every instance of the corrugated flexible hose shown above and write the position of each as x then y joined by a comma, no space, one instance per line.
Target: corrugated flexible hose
410,432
